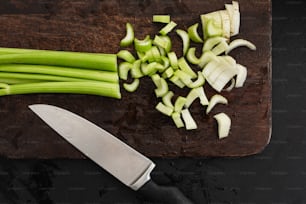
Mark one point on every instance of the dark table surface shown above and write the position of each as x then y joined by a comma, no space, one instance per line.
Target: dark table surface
277,175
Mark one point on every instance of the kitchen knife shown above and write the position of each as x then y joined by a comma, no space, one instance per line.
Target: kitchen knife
123,162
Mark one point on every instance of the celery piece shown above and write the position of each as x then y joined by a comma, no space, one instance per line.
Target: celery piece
132,86
168,43
176,80
166,110
124,68
151,68
168,28
193,33
156,79
199,82
215,99
168,73
190,124
206,57
179,103
185,39
173,60
143,45
191,57
194,94
89,87
161,18
220,48
126,56
184,66
10,81
61,71
160,42
224,124
176,117
105,62
136,70
212,42
162,88
183,76
167,99
129,37
212,29
165,61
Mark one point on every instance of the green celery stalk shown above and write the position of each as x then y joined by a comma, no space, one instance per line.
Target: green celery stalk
106,62
61,71
89,87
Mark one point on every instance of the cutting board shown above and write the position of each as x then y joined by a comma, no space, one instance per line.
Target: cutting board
98,26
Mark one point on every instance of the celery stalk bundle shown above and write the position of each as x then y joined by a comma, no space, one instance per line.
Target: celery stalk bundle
26,71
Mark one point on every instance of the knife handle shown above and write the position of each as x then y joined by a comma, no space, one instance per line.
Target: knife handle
163,194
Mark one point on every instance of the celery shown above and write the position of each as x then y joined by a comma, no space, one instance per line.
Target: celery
132,86
61,71
161,18
129,37
106,62
89,87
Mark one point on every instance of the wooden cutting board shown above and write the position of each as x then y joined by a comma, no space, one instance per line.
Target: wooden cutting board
98,26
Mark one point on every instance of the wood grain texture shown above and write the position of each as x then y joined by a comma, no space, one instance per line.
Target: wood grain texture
98,26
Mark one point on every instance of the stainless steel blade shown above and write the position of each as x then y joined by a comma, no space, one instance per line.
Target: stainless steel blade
126,164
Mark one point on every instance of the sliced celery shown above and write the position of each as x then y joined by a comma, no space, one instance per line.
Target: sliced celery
176,80
136,70
162,88
168,28
167,99
206,57
126,56
151,68
132,86
212,42
173,60
199,82
179,103
190,124
220,48
193,33
124,68
129,37
176,117
185,39
168,73
191,56
194,94
161,18
166,110
143,45
184,66
183,76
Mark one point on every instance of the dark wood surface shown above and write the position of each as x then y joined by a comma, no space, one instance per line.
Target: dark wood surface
98,26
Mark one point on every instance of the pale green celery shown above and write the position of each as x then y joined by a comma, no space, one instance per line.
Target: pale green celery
158,41
206,57
151,68
220,48
140,55
168,73
61,71
179,103
176,117
124,68
184,66
210,43
143,45
152,55
156,79
173,60
166,110
129,37
194,94
132,86
199,82
161,18
183,76
176,80
89,87
162,86
167,99
18,78
190,124
126,56
105,62
168,28
185,39
193,33
165,61
167,43
212,29
191,56
136,70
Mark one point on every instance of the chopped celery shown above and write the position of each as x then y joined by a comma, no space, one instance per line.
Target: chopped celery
193,33
185,39
179,103
212,42
161,18
132,86
176,117
184,66
194,94
173,60
191,57
168,44
129,37
215,99
190,124
168,73
151,68
162,88
224,124
183,76
126,56
136,70
159,41
220,48
124,68
199,82
166,110
168,28
206,57
167,99
165,61
177,81
143,45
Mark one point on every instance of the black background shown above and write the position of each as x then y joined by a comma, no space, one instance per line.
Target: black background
276,176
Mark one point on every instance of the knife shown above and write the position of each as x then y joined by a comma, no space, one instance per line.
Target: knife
123,162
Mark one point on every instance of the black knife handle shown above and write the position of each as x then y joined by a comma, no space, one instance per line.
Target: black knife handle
163,194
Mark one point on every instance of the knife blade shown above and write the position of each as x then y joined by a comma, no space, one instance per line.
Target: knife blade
126,164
